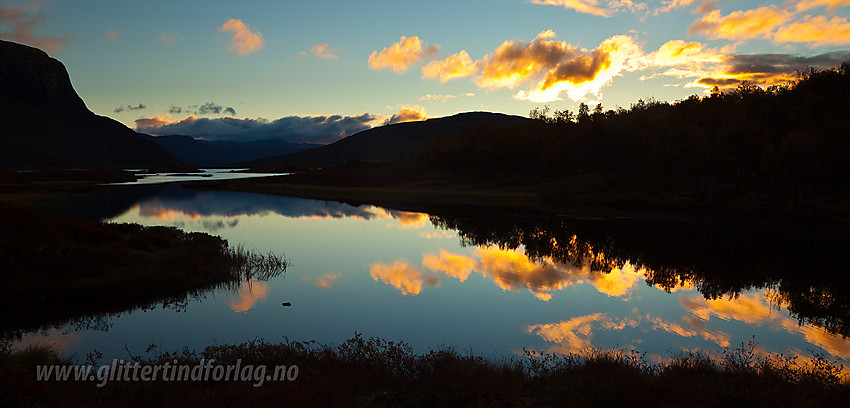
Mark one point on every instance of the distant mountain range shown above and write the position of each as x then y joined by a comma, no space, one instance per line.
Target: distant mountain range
204,153
388,142
45,124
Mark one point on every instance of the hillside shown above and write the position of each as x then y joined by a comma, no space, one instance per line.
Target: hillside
45,124
389,142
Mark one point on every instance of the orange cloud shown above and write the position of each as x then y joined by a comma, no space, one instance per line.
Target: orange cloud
593,6
816,30
401,55
456,266
829,4
740,25
454,66
402,276
557,67
574,335
249,294
324,51
244,41
328,280
407,114
513,271
755,308
673,4
678,52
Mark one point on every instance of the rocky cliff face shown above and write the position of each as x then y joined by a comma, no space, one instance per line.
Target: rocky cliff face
45,124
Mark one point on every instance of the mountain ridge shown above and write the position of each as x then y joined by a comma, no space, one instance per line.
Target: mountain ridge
46,124
387,142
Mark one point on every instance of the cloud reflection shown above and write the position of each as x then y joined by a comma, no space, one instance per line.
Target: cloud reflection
402,276
249,294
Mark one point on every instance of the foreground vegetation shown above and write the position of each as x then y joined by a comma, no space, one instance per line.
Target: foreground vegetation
59,268
374,372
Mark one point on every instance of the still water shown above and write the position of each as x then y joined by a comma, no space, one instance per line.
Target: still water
492,284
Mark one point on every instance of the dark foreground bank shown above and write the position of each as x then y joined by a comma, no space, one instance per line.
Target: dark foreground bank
374,372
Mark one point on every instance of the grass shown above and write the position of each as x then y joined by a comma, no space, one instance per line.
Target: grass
375,372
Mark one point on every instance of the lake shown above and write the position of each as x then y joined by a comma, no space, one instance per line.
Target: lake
483,281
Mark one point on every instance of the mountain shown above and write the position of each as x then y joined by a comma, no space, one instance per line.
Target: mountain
204,153
388,142
45,124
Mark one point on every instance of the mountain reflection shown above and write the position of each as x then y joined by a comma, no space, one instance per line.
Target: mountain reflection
175,202
804,268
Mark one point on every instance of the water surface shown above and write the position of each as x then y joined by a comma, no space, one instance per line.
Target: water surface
493,284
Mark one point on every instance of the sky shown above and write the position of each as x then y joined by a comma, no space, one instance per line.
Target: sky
317,71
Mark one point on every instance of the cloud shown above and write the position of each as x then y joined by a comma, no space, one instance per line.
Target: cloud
324,51
412,113
244,41
113,35
249,294
175,109
607,9
740,25
816,30
402,276
122,108
21,25
829,4
210,108
575,335
440,98
768,69
328,280
401,55
295,129
512,270
454,66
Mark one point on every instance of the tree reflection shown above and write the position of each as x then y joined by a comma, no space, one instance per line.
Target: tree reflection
804,265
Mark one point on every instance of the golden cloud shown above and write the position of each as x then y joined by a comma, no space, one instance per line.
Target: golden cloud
402,276
513,271
454,66
407,113
401,55
249,294
328,280
324,51
816,30
574,335
113,35
456,266
740,25
556,66
244,41
593,6
679,52
829,4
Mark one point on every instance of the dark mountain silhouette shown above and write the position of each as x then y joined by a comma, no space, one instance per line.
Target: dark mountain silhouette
204,153
389,142
45,124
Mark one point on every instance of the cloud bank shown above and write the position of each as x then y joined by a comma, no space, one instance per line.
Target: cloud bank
294,129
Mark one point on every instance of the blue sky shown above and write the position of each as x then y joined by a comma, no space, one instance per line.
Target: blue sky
160,62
